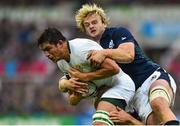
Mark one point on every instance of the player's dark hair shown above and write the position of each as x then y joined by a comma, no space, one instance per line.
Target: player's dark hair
51,35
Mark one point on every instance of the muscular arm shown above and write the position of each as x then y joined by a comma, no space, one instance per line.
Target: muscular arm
123,54
107,68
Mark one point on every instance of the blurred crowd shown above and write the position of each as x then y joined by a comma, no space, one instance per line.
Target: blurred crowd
104,2
29,82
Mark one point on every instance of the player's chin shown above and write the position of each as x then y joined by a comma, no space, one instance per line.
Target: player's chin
93,35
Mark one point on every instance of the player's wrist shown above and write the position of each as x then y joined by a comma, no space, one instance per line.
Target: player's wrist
87,77
107,53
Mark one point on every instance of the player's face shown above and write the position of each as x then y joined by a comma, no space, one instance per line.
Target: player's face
94,26
53,52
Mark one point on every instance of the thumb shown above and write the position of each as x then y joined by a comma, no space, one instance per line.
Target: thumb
118,108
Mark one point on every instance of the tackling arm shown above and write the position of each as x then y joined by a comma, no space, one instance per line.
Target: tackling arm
107,68
123,54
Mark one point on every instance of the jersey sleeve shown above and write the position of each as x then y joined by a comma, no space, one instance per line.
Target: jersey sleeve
122,35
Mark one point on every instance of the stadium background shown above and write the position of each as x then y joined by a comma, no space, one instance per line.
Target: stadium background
28,81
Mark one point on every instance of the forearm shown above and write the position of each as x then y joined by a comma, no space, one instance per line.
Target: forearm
108,68
119,55
98,74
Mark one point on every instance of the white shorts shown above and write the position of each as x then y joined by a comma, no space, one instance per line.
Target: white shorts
140,101
124,88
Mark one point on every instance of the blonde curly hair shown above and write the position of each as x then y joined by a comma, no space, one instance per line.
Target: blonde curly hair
85,11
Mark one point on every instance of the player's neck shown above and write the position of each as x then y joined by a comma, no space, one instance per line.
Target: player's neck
97,38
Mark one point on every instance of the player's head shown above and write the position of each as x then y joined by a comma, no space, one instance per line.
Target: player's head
91,19
53,44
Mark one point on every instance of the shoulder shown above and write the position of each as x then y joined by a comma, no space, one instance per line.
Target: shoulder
83,42
120,29
80,41
121,32
116,31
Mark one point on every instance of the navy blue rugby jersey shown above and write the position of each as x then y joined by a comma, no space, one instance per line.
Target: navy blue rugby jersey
142,67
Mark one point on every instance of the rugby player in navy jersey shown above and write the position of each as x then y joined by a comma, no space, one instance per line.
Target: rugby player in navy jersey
155,88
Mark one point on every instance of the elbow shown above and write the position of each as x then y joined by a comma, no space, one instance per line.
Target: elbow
130,58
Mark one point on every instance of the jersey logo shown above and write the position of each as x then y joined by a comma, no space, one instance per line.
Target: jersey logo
123,38
111,44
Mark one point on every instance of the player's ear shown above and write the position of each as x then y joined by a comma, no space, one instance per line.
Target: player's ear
105,25
60,43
